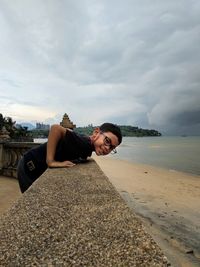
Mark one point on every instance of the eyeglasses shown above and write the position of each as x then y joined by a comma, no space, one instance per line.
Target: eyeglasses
107,142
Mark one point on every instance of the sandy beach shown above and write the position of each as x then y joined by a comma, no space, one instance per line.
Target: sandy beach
166,201
9,193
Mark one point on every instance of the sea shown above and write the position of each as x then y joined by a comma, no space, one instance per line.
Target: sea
170,152
178,153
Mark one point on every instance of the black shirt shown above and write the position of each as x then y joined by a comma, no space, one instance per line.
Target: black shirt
73,147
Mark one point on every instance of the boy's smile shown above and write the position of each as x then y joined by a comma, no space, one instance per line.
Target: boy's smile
104,142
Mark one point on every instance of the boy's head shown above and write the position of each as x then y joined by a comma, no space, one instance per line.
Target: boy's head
106,138
110,127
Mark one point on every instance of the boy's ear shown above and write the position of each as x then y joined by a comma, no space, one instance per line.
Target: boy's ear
95,133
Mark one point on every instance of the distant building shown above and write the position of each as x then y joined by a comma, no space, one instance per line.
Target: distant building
66,123
41,126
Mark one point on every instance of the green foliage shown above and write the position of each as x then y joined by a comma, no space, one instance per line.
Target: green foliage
14,132
126,130
39,133
87,130
9,125
1,121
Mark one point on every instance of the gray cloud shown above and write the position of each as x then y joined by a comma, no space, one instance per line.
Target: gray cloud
133,62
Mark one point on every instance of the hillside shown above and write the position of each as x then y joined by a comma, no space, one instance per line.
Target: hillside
127,130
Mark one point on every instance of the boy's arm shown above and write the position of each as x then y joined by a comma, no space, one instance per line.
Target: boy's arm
56,133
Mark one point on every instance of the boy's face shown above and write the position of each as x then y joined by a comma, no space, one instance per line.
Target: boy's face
104,142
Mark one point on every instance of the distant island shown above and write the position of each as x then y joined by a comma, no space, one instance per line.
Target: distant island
127,130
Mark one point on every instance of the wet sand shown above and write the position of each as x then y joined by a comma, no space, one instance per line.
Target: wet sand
167,202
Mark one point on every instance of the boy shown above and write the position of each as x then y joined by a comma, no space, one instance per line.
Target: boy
65,148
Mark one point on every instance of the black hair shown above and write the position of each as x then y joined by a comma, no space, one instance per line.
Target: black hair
113,128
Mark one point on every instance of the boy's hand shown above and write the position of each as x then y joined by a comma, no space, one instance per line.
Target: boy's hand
58,164
67,163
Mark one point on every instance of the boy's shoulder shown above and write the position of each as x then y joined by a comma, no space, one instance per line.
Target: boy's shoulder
77,143
77,137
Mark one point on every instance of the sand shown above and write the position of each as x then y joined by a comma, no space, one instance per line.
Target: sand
168,203
9,192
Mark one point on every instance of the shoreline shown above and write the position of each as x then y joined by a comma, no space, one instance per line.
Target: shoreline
166,201
192,173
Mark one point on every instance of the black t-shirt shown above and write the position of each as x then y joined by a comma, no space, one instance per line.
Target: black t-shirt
73,147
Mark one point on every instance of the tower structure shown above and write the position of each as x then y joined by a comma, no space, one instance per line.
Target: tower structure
66,123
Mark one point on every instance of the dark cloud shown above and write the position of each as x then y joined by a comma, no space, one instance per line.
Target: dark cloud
186,118
132,62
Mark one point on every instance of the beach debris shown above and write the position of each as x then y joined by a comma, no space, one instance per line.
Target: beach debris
190,251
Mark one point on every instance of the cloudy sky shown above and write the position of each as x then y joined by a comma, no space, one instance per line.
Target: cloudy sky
133,62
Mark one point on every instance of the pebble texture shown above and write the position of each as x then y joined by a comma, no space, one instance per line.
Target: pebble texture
75,217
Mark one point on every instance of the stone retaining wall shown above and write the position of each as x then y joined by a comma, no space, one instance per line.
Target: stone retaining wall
10,153
75,217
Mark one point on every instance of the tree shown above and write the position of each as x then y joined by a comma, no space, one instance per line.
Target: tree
9,124
14,132
1,121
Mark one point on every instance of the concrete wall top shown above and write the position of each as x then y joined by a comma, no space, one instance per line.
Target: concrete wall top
75,217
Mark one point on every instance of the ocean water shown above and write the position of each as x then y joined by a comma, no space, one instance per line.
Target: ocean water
174,153
169,152
40,140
